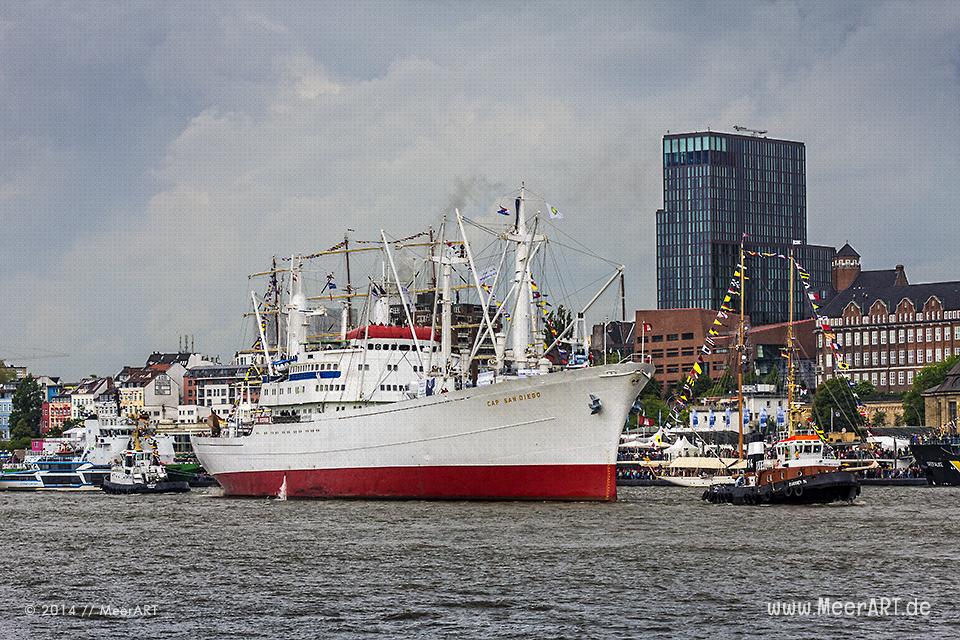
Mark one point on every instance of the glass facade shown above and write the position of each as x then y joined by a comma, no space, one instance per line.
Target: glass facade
716,187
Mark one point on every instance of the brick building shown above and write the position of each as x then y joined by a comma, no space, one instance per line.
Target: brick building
886,328
675,339
678,334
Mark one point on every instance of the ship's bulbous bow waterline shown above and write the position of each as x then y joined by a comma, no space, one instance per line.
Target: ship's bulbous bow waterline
537,438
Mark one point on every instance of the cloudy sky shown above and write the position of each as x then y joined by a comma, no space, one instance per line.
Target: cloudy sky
151,155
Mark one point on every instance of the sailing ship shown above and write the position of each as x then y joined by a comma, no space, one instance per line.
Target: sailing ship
799,468
392,412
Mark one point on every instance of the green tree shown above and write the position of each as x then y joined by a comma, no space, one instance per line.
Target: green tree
557,320
879,418
865,390
6,373
834,404
773,377
25,417
898,419
653,388
654,407
927,378
71,423
723,385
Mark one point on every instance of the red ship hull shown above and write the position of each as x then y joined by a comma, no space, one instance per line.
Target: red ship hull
502,482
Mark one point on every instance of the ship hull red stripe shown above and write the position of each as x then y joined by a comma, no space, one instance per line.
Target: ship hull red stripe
505,482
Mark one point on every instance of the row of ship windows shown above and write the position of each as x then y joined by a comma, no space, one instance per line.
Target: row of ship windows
392,387
399,347
320,387
323,366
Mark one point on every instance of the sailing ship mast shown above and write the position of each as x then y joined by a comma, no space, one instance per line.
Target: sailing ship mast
790,377
740,359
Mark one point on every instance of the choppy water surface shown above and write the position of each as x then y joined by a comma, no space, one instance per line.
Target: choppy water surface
657,563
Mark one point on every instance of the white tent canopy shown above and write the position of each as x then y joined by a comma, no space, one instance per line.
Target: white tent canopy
682,447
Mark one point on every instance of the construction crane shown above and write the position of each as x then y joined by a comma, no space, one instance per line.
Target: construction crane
756,132
8,355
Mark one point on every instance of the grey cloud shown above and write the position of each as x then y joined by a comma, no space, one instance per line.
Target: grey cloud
192,142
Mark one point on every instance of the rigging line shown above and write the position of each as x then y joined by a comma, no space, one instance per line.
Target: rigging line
586,253
481,227
563,287
573,239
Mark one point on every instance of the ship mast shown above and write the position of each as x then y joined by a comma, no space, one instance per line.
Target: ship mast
520,325
740,353
790,378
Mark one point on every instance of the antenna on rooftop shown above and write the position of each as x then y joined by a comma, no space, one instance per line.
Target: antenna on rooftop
755,132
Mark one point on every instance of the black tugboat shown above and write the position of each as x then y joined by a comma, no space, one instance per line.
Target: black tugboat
939,460
800,473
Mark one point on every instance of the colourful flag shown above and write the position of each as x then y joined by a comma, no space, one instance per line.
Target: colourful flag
503,211
554,214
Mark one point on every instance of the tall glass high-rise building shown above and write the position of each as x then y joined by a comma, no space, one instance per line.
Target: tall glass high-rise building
716,187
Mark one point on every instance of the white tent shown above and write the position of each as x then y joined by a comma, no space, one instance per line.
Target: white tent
681,447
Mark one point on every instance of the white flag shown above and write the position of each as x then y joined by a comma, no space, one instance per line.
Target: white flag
554,213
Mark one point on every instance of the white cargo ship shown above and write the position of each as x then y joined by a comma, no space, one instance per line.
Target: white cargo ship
391,412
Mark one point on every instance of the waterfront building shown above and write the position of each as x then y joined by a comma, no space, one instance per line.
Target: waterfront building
83,397
59,409
6,408
52,387
716,188
886,328
676,336
213,385
674,341
940,402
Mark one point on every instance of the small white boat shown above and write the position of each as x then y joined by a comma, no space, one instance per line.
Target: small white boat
699,482
701,471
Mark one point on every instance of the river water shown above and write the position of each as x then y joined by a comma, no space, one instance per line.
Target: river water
658,562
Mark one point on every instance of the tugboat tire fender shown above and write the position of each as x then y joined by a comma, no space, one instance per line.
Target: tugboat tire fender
788,491
798,491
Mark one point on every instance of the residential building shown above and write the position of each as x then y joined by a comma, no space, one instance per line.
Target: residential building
83,397
59,409
716,188
107,404
6,408
212,385
134,379
886,328
51,386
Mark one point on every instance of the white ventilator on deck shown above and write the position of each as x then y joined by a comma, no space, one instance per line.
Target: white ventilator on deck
447,258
